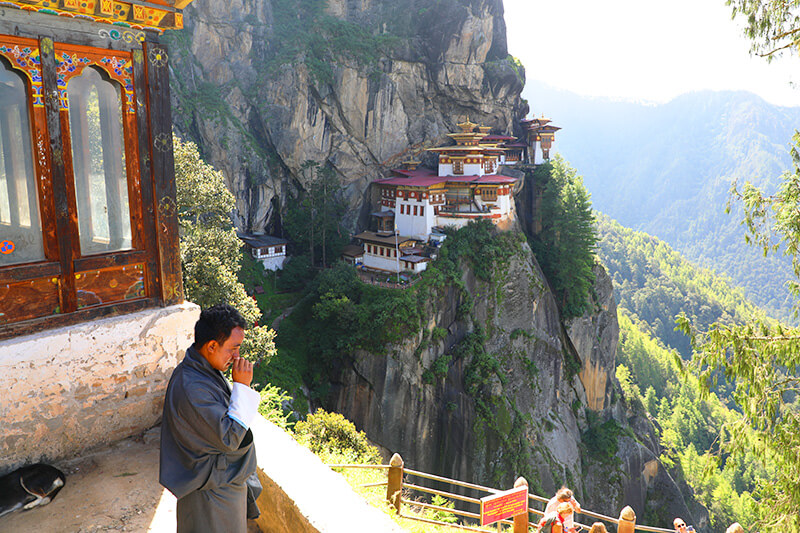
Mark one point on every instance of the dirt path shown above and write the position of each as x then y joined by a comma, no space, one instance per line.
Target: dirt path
279,318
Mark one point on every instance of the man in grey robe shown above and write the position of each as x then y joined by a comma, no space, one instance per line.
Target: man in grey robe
207,450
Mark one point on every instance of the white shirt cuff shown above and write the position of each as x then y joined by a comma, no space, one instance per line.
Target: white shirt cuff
244,404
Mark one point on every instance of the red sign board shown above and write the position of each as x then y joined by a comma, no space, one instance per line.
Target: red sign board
504,505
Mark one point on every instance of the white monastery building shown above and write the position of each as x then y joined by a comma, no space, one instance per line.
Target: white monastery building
465,187
271,251
416,201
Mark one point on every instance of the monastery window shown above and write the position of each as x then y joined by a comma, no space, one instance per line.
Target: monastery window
279,249
73,231
422,210
415,210
458,166
98,163
489,194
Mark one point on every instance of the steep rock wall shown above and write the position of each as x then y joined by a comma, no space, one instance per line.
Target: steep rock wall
531,416
259,108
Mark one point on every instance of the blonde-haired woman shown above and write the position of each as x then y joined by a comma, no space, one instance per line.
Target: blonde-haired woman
598,527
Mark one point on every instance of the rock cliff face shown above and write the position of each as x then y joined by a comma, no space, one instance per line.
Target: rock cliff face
534,416
397,77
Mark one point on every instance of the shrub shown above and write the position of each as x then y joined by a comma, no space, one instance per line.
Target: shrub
331,433
272,405
258,344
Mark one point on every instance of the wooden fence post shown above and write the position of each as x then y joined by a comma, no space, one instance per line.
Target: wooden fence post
521,521
394,487
627,520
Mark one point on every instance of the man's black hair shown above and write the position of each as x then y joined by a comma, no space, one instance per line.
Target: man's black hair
216,323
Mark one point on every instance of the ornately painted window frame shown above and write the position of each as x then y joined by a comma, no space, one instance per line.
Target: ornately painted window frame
52,292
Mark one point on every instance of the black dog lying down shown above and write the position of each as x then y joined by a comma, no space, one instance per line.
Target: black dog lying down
29,486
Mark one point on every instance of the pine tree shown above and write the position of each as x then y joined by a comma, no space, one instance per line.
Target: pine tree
565,246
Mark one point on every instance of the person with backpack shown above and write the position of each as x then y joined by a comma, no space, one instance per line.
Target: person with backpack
562,516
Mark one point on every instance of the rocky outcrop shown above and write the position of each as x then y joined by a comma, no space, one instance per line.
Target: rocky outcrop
258,105
594,337
551,387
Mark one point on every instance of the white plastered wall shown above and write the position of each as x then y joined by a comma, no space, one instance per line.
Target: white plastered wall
273,262
68,389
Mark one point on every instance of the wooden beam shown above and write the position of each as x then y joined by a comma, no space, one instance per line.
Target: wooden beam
153,282
64,229
163,168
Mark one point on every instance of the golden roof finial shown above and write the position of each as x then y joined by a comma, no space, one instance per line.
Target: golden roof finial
467,127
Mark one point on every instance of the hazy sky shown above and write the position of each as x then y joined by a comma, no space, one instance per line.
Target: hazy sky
643,49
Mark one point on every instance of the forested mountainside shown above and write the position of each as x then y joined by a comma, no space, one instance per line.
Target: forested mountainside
474,374
666,170
263,86
478,372
653,283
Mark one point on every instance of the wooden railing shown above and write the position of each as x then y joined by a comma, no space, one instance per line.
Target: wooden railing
398,489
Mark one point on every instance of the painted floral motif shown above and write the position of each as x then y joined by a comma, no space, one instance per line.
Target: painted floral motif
118,68
27,58
124,71
67,66
158,57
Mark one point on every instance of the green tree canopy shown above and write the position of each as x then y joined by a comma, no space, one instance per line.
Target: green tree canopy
211,252
773,26
760,360
565,245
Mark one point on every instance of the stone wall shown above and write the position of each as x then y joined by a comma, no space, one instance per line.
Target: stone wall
72,388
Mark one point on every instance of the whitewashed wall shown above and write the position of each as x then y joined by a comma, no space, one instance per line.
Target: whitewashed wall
75,387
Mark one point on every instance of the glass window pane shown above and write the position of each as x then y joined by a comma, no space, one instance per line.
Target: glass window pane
98,162
21,238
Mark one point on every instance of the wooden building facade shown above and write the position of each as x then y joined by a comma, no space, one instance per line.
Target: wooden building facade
88,222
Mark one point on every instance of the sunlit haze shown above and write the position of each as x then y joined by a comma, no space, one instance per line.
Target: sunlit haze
643,50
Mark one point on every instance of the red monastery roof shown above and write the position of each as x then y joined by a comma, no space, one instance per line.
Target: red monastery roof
423,177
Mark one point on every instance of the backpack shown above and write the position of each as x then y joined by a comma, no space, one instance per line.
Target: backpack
546,524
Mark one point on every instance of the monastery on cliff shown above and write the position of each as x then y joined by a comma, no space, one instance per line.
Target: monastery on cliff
416,202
